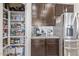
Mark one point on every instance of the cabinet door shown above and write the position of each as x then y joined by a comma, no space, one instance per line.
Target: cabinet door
37,47
59,8
37,19
52,47
50,18
39,22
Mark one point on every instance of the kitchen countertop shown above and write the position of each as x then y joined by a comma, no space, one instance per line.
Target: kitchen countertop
42,37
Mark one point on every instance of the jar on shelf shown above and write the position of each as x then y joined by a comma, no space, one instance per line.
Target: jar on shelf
18,18
18,33
22,40
12,41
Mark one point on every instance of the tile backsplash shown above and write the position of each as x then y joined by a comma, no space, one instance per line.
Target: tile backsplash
42,31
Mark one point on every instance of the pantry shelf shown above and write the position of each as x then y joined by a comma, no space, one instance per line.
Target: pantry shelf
17,44
16,21
5,37
5,23
5,46
5,18
16,36
17,12
5,9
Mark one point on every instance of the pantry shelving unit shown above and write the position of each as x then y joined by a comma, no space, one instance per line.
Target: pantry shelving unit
9,41
5,23
5,28
14,37
17,32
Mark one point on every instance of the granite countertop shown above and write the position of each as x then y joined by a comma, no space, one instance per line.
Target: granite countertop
43,37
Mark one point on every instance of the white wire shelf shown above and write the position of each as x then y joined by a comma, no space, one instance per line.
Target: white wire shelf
16,36
5,37
5,19
5,46
17,45
5,9
17,21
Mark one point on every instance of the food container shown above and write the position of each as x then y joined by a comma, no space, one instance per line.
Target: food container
22,40
18,18
18,33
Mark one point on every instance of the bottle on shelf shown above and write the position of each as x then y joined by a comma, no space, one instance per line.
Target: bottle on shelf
22,40
12,8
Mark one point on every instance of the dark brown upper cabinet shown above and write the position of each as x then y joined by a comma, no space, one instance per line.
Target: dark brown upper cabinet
43,14
50,18
37,19
70,8
59,8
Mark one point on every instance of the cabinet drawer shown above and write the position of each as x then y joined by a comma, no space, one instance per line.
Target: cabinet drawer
52,46
41,41
37,47
52,41
45,47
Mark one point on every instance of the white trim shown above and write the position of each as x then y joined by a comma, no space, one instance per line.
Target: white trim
17,12
5,37
5,46
9,28
1,29
28,20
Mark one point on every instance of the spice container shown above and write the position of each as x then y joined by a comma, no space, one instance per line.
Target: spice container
19,51
18,18
22,40
17,40
18,33
12,41
13,50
